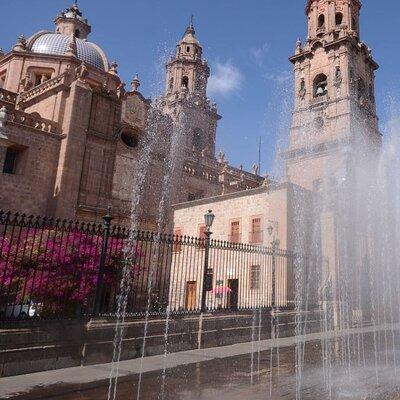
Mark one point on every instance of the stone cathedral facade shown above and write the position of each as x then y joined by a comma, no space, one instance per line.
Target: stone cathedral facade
71,135
334,126
334,95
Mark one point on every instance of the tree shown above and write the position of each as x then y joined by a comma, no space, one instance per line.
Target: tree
59,270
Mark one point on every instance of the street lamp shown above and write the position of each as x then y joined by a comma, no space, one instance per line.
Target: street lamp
208,219
102,265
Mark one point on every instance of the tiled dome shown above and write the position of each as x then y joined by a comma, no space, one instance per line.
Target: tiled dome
56,43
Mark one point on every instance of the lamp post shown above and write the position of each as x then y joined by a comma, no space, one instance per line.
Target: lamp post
100,276
208,219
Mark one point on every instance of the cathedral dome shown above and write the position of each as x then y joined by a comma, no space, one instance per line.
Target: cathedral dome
57,44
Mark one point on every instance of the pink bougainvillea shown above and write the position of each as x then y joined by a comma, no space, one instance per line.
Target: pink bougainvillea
59,271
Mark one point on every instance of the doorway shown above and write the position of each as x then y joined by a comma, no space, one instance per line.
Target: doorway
191,295
233,295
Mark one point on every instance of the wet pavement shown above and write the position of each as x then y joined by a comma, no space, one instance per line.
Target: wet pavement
360,365
245,377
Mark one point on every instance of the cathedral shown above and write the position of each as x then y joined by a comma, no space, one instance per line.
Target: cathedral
73,139
72,136
318,208
334,120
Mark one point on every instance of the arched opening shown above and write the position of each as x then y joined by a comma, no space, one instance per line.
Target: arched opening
185,82
77,33
321,21
171,84
361,89
339,18
36,115
320,85
196,141
129,139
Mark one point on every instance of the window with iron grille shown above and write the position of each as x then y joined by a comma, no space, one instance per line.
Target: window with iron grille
234,236
256,233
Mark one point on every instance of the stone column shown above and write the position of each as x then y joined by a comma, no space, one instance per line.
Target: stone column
76,123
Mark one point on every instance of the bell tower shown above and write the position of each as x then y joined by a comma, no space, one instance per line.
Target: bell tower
72,22
187,71
187,74
334,107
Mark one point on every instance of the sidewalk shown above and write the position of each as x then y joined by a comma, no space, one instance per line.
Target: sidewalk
12,386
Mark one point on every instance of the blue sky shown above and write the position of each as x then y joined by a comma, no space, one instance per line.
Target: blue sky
247,43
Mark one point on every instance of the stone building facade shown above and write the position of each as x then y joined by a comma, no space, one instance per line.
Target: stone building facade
334,118
334,104
334,127
73,136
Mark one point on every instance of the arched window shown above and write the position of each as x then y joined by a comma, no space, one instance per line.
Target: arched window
196,141
321,21
361,88
320,85
77,33
185,82
339,18
129,139
171,83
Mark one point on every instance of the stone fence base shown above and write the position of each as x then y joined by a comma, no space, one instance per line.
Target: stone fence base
34,346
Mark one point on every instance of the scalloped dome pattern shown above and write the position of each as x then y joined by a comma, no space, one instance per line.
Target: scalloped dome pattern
56,43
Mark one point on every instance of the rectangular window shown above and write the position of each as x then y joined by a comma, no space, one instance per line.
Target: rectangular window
177,241
202,235
11,160
255,277
234,236
256,232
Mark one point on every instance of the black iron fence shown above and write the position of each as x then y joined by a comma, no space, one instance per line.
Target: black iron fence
52,268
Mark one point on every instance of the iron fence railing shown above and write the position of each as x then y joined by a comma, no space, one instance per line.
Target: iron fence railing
52,268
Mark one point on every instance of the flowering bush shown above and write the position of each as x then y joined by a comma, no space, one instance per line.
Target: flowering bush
59,271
